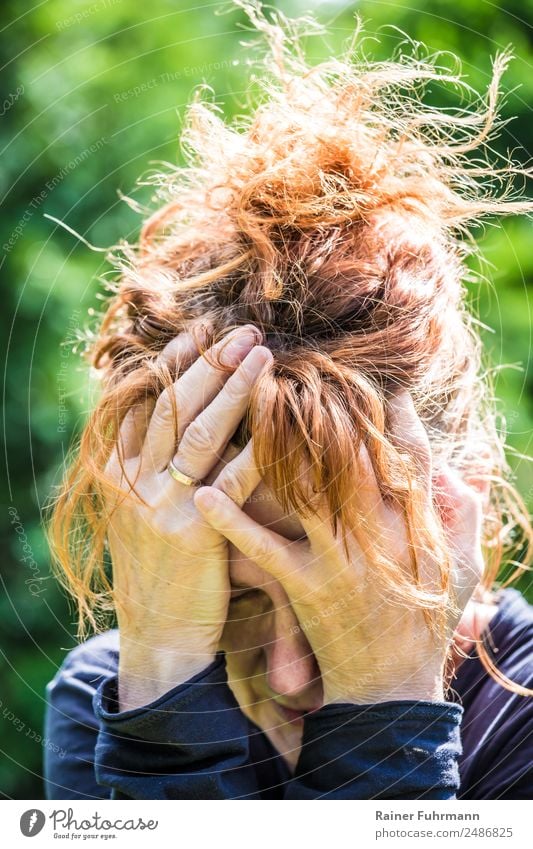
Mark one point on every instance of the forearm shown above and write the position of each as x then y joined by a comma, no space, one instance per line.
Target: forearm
190,743
146,673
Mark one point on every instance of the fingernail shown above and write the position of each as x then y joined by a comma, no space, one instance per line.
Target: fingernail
241,342
258,357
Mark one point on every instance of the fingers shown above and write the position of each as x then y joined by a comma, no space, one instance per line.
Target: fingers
133,429
368,497
132,433
460,506
410,434
196,387
240,477
461,510
266,548
183,349
205,439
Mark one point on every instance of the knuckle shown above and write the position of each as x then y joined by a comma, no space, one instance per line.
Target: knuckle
182,349
232,483
197,439
164,410
237,389
264,553
119,474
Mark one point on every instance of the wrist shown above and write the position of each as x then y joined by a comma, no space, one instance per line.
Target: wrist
146,673
412,688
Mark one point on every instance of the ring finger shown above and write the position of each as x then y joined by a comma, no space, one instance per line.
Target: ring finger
189,395
206,437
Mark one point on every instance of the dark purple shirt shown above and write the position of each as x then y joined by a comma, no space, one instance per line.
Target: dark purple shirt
195,742
497,726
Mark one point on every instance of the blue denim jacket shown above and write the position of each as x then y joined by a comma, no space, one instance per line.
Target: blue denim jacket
194,742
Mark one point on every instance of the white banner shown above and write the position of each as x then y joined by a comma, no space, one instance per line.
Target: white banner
236,824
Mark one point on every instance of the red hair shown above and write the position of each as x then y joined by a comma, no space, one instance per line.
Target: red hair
336,217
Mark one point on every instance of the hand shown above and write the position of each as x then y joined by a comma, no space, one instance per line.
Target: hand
369,647
170,569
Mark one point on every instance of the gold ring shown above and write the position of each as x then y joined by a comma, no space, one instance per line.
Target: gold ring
181,477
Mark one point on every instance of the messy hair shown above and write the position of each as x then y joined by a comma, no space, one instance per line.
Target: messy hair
337,217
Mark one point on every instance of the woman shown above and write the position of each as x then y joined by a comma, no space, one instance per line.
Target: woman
294,467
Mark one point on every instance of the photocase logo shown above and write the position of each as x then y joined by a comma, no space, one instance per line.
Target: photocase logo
32,822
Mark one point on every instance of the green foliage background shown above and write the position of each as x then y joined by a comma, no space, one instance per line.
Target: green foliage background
93,94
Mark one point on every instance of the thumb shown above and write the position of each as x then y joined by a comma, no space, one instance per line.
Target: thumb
266,548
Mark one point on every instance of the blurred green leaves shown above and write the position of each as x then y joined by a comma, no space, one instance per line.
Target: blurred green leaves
102,88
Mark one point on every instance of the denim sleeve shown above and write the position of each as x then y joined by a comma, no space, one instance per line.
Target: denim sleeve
393,750
193,742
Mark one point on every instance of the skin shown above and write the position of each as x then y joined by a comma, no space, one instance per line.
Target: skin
269,663
269,660
222,567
